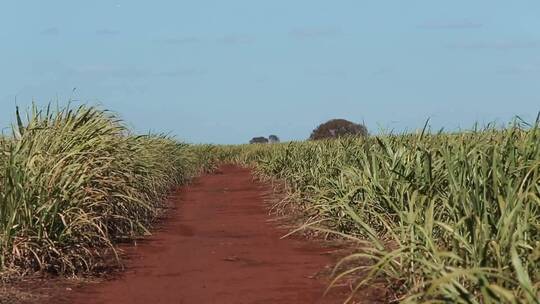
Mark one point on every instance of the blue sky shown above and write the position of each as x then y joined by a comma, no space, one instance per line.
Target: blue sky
225,71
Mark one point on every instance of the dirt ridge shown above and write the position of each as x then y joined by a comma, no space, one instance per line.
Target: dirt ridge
218,247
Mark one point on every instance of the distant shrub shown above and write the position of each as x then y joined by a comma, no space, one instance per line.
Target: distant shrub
259,140
273,139
338,128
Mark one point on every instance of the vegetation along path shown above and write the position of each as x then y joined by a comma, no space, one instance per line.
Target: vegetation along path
218,247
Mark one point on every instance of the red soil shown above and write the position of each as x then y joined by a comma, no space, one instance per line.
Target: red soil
218,247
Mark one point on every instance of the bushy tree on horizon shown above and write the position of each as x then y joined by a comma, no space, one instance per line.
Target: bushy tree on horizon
335,128
259,140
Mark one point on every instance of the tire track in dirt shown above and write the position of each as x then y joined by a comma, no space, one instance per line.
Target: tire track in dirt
217,247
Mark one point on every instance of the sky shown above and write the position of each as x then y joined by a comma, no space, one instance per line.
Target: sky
226,71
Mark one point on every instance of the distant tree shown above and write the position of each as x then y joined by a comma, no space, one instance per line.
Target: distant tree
273,139
337,128
259,140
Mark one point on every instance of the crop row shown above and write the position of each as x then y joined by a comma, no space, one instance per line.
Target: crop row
442,218
73,182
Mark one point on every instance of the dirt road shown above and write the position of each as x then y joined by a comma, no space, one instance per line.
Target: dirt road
217,247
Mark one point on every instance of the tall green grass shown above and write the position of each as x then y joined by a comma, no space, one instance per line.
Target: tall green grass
448,218
75,181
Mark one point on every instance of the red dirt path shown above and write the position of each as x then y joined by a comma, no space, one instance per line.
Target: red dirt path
217,247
